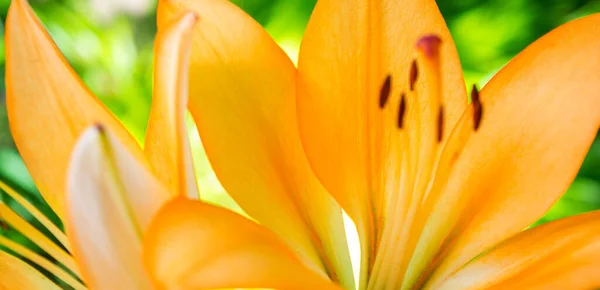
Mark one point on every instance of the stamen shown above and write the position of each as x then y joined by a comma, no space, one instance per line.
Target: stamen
402,111
440,124
477,108
414,74
384,94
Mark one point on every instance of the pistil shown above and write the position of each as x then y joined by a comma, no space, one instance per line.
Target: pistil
428,51
420,117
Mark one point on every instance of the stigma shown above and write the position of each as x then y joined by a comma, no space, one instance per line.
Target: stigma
430,46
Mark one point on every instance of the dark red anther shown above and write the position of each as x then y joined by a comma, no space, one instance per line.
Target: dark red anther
384,93
477,108
402,111
414,74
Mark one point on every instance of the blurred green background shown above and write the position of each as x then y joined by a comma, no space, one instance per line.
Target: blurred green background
110,45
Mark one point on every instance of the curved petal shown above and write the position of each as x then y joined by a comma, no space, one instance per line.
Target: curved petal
111,199
194,245
16,274
540,116
167,145
48,105
242,88
354,78
563,254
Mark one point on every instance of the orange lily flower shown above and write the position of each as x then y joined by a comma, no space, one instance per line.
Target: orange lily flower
375,117
102,185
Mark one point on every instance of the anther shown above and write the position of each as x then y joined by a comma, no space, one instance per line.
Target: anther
477,108
384,93
414,74
402,111
440,128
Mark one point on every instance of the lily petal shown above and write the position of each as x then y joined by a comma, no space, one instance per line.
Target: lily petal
194,245
48,105
16,274
563,254
242,98
167,145
111,199
540,116
354,65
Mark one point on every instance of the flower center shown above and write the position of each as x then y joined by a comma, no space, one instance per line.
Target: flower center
420,115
